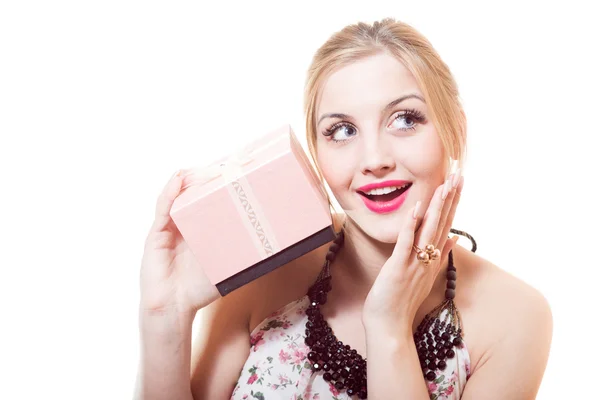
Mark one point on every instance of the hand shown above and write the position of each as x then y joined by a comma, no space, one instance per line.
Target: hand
171,278
404,282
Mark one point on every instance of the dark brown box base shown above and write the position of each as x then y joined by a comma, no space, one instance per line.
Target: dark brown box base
281,258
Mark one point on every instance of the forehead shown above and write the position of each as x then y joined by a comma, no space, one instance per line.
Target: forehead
366,85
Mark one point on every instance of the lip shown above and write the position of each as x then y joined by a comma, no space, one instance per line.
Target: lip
378,185
383,207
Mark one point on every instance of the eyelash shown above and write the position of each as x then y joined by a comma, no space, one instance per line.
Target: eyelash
409,113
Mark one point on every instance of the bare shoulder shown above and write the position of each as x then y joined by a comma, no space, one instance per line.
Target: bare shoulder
500,311
493,284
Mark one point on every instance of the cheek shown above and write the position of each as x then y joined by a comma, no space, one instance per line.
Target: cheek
426,161
337,169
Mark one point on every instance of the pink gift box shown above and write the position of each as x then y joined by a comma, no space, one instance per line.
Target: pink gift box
252,212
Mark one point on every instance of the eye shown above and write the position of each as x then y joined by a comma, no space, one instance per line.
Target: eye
410,117
340,132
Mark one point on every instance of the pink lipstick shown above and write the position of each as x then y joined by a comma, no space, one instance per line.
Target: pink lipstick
388,202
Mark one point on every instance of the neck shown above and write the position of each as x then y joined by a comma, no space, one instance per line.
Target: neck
359,262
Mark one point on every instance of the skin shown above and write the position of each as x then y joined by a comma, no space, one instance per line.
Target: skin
380,291
377,281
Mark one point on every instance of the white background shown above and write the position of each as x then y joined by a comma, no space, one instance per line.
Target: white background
100,102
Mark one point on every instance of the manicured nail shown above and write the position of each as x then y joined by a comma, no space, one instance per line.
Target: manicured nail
452,169
456,178
446,188
454,240
454,166
416,212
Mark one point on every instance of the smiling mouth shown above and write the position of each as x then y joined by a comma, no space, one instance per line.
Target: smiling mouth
386,196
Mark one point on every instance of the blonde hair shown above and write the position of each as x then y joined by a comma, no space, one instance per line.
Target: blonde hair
361,40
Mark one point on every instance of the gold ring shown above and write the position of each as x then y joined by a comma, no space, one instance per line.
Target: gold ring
429,254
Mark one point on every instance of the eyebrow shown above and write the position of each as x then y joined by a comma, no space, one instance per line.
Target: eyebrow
392,104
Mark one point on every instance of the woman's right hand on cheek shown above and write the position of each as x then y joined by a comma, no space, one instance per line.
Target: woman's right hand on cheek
171,280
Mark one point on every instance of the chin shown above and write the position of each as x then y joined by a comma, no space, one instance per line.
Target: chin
383,228
384,235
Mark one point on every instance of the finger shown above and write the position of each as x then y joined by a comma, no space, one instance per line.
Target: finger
448,245
428,231
188,177
406,236
165,202
441,235
452,211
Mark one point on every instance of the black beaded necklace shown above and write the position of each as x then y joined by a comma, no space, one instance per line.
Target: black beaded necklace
344,367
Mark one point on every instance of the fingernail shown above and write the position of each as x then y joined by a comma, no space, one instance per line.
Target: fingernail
416,211
454,240
176,174
446,188
452,170
456,178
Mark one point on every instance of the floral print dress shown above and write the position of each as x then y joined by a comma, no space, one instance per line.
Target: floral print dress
278,368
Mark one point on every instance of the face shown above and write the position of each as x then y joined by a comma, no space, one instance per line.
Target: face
370,134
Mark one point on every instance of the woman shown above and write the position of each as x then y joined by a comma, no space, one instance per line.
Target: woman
434,320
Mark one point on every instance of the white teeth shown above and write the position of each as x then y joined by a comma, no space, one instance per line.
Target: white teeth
385,190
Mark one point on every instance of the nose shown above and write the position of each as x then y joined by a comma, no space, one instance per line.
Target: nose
377,157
